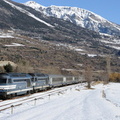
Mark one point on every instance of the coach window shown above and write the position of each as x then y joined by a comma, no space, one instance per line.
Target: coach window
35,79
32,79
20,80
9,81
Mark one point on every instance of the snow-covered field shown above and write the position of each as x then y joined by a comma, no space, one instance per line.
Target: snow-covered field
100,103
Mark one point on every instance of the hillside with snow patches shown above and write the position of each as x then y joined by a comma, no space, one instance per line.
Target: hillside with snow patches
23,27
102,102
78,16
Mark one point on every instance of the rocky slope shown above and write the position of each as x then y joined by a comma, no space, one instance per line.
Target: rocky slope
49,57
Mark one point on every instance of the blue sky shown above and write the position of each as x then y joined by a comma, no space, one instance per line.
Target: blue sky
109,9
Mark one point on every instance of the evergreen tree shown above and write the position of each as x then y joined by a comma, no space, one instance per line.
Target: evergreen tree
8,68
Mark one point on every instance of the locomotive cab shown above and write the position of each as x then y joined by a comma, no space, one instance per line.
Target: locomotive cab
40,81
12,84
4,84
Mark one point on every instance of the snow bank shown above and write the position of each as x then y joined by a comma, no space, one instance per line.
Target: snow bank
76,104
113,93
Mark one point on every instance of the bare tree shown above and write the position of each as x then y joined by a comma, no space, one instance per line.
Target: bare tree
88,75
24,66
2,70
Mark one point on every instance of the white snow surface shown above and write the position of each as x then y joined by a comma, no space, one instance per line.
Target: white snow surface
91,55
6,35
28,13
34,5
79,50
76,104
116,42
14,44
115,47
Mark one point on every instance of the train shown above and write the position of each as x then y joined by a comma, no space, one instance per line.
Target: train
14,84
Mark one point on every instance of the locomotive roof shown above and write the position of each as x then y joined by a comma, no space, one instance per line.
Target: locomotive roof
38,74
15,74
23,75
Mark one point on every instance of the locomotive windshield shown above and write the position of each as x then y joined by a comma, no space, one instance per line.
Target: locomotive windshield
3,80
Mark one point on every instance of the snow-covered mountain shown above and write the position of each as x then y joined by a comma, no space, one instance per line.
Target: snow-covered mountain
78,16
25,20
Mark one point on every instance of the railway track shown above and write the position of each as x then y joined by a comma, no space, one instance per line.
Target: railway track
7,104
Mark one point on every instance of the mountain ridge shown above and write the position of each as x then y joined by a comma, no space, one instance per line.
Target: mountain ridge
20,17
78,16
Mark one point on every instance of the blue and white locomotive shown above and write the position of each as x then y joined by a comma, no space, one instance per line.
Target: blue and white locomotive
40,81
12,84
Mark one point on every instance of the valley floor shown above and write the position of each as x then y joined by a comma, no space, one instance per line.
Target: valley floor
100,103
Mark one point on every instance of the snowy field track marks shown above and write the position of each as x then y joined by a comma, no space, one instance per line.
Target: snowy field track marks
95,107
110,94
